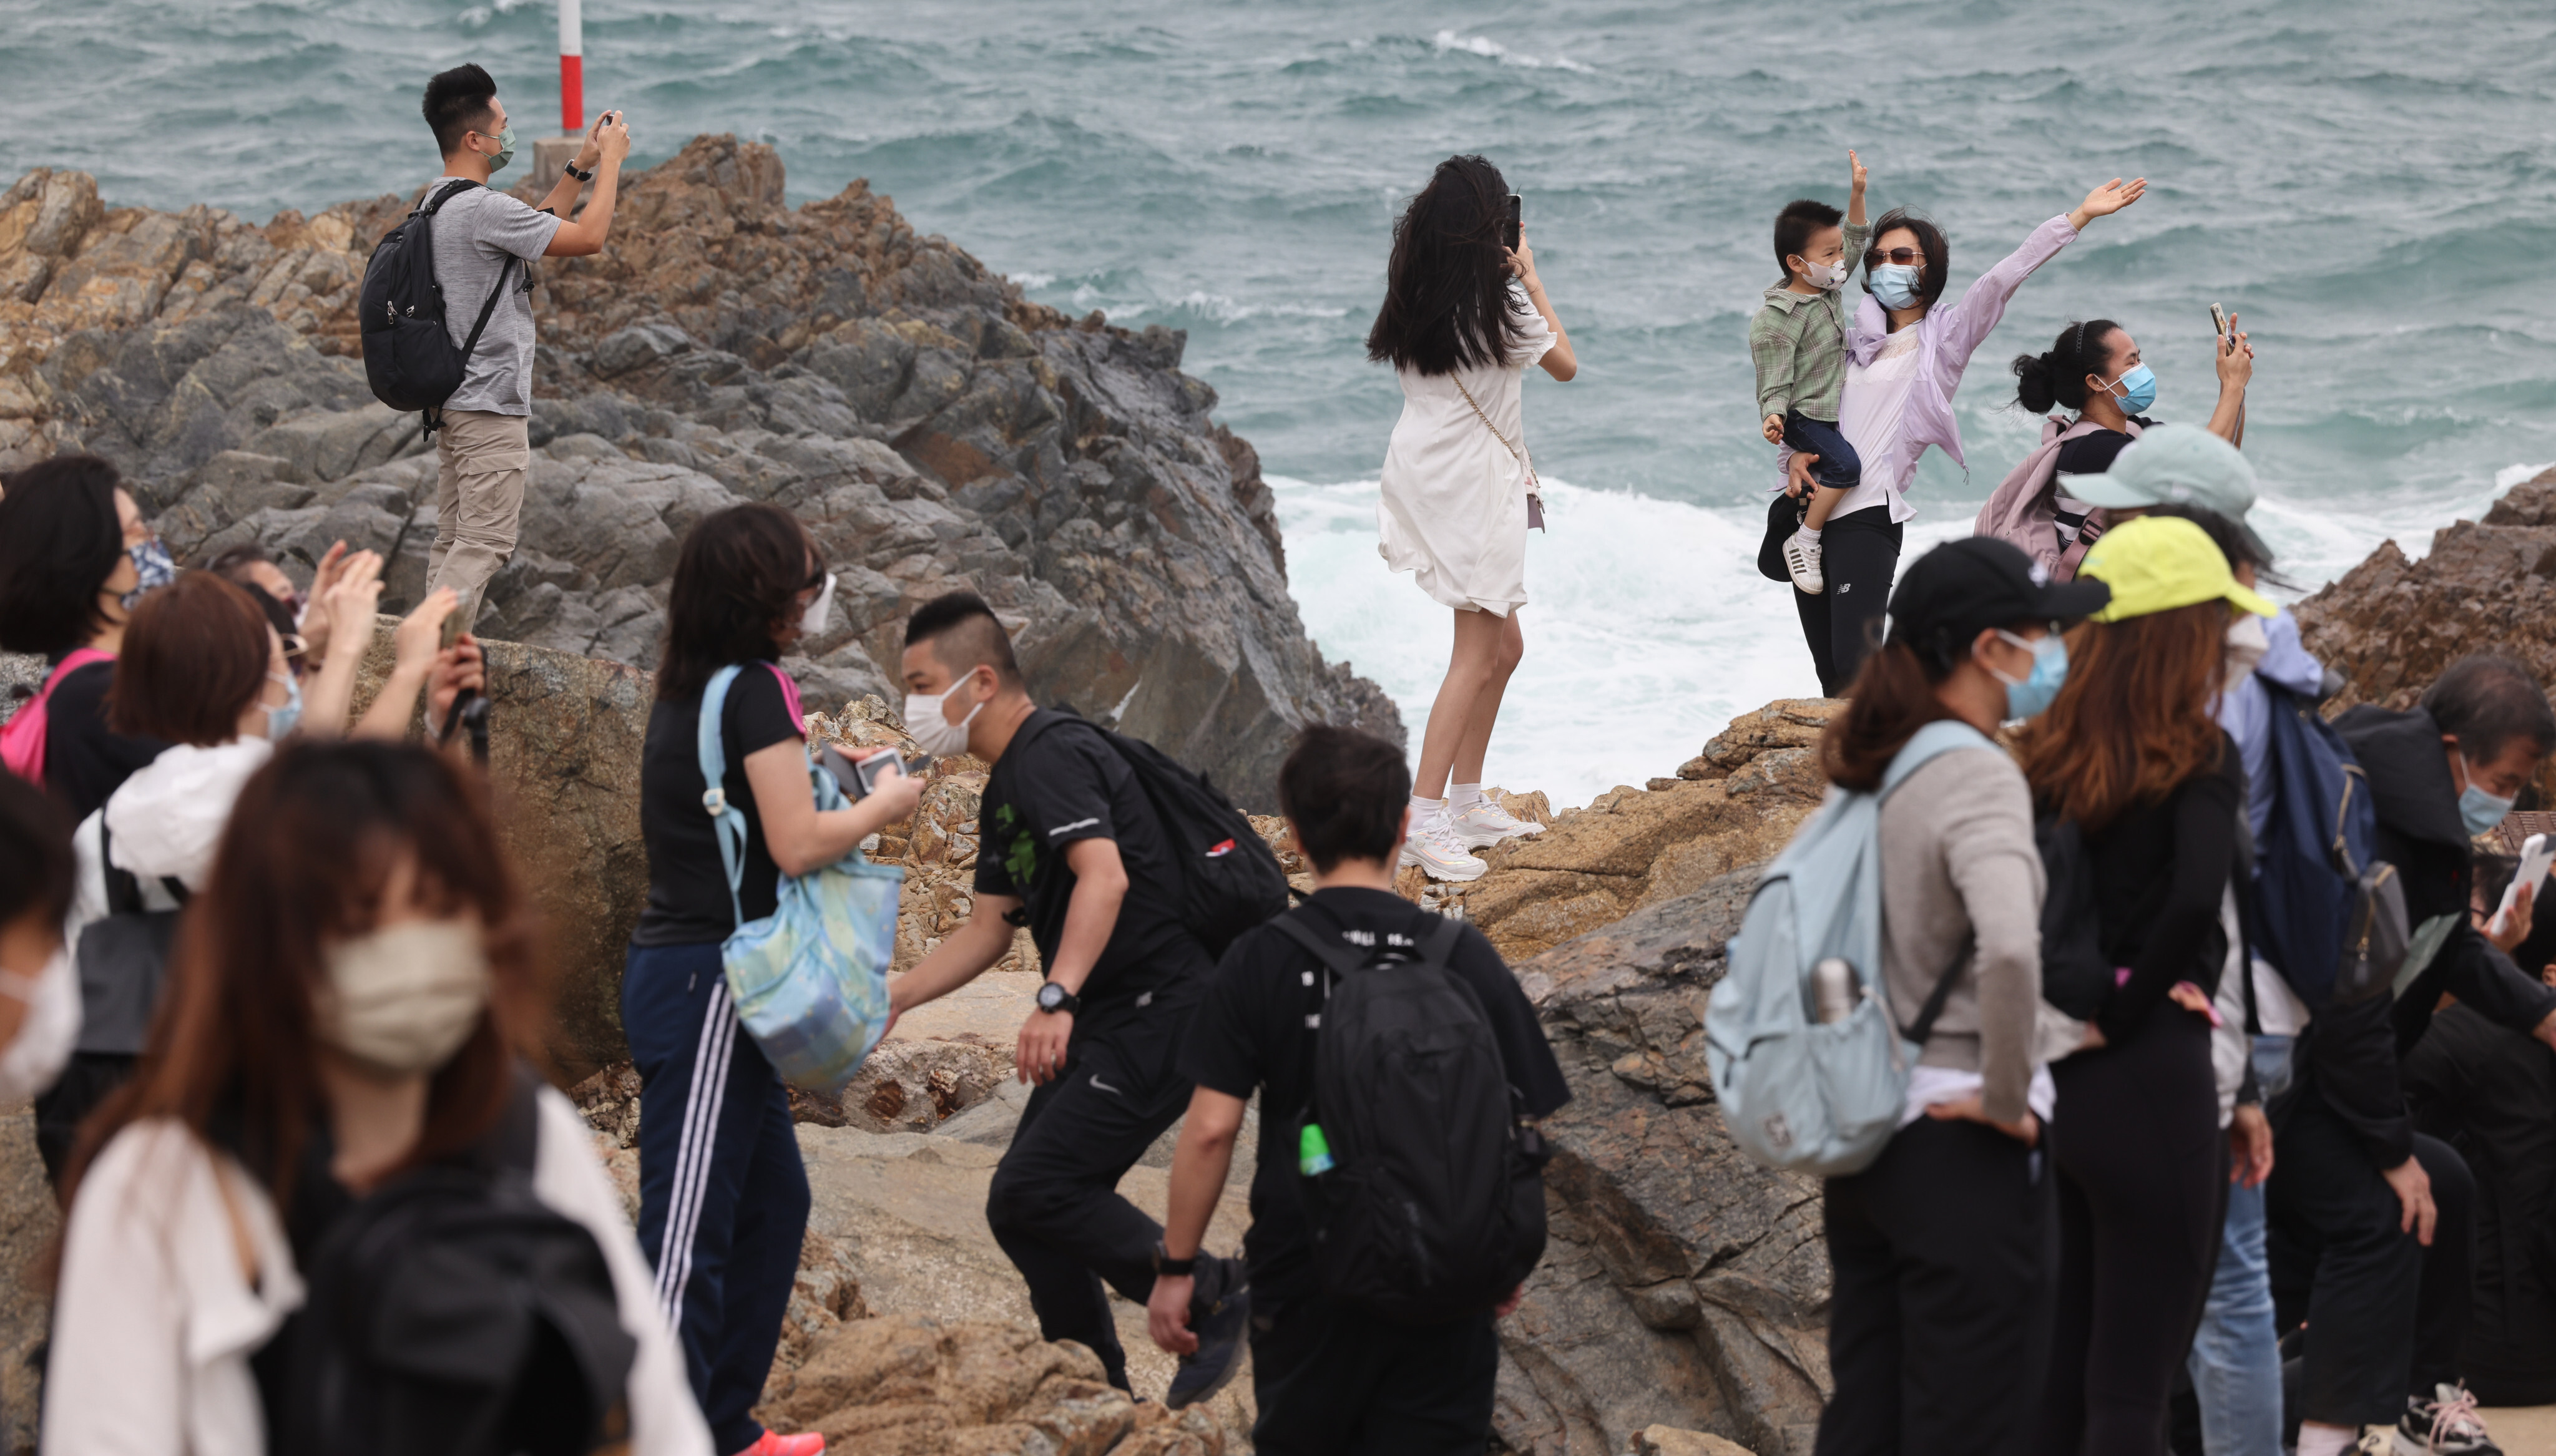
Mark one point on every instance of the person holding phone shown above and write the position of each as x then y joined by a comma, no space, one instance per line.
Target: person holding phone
1463,320
1906,352
722,1194
2096,369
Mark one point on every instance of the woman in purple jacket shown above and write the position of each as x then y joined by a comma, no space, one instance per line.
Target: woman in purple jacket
1905,353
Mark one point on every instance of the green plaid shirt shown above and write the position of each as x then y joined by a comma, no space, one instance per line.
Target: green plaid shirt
1799,343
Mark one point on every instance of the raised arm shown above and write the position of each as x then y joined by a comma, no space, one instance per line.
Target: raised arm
583,236
1558,361
1973,316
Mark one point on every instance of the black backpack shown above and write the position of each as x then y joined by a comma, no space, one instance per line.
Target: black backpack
452,1311
2076,974
409,357
1230,879
1434,1209
122,960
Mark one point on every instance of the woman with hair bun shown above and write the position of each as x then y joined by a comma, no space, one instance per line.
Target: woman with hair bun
1906,352
2095,369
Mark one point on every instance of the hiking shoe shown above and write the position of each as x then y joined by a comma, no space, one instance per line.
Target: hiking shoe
1802,560
1436,848
1220,1328
2445,1425
774,1443
1486,825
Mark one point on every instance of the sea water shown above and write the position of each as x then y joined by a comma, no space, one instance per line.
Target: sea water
2370,187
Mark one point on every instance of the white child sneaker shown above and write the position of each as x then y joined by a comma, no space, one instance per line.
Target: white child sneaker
1436,847
1802,560
1486,823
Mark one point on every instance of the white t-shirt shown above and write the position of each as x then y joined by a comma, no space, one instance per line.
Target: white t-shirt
1868,415
1453,507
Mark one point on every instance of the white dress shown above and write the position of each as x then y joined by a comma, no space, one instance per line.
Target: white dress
1454,506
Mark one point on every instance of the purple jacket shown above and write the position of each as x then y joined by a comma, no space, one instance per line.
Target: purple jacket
1946,337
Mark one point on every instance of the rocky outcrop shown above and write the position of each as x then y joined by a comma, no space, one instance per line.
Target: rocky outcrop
933,428
2389,625
1686,1284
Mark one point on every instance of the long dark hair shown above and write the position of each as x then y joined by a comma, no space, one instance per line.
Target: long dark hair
2133,721
60,539
1446,289
738,579
310,847
2056,376
1930,241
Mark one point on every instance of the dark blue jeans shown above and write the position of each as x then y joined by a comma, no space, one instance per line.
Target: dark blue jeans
1839,467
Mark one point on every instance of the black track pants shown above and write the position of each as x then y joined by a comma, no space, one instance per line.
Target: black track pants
1859,555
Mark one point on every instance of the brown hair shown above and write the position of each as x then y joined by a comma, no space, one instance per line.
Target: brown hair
738,579
2133,721
304,862
1891,697
194,657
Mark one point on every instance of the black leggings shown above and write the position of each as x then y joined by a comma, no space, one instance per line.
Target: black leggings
2142,1188
1858,554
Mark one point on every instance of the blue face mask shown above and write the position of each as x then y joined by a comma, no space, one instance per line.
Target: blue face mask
281,721
2479,809
152,569
2034,693
2140,387
1895,285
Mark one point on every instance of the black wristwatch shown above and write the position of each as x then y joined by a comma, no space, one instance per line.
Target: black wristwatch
569,168
1052,997
1165,1264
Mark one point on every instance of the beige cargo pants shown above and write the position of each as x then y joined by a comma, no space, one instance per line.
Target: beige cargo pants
482,459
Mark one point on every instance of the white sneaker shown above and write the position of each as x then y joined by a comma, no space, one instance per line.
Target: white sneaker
1486,825
1437,848
1802,559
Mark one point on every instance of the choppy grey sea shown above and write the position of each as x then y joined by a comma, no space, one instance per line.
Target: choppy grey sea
2370,187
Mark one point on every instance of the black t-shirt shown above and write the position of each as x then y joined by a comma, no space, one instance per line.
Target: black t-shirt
2160,872
688,901
84,764
1250,1032
1058,782
2092,452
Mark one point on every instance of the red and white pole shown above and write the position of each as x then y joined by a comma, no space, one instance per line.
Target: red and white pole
571,68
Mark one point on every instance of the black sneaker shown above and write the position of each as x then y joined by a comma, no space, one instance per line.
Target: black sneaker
1221,1325
2445,1425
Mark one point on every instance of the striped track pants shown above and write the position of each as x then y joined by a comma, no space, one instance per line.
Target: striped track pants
722,1196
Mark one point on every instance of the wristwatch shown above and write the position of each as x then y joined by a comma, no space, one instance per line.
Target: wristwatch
1052,997
570,166
1165,1264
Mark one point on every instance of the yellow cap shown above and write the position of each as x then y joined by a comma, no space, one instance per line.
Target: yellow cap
2157,563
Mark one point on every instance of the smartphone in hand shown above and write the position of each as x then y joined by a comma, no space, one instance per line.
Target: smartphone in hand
2218,322
859,776
1514,228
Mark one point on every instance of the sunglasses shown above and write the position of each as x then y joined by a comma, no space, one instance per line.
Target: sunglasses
1900,256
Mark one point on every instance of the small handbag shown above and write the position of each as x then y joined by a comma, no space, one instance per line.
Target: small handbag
1517,452
810,980
1784,516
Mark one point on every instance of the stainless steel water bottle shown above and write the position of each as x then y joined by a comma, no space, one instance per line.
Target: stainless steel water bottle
1833,990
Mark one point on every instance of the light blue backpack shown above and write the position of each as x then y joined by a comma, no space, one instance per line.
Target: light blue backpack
810,980
1798,1094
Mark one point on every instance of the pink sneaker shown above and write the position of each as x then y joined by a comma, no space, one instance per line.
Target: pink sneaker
774,1443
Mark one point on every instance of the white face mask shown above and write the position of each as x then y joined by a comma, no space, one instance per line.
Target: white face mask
932,733
405,997
44,1042
812,623
1825,275
2246,644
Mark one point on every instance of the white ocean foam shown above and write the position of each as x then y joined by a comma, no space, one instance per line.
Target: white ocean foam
1492,49
1647,629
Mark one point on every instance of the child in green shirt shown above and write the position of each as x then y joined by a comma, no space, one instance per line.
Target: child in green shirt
1798,342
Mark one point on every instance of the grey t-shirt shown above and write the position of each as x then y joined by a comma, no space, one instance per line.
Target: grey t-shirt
474,233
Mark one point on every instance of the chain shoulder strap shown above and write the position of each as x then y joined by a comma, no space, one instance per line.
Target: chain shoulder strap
1523,458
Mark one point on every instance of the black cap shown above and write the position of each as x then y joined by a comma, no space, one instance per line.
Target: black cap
1963,587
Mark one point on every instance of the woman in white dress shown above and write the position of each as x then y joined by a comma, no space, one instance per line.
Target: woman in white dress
1464,318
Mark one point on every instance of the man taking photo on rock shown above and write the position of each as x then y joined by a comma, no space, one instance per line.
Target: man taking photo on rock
1070,846
486,240
1331,1377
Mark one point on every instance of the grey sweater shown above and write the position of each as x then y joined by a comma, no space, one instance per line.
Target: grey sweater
1959,867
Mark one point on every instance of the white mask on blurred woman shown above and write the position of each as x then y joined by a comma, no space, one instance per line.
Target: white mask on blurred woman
2246,644
405,998
36,1056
